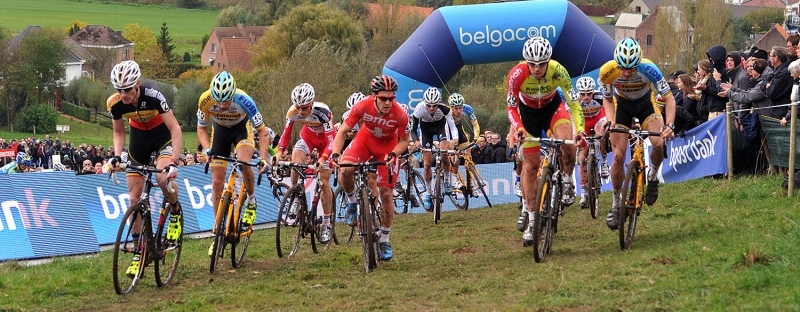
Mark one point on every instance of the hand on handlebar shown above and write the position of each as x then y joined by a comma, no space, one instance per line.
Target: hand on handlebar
667,133
335,160
390,159
580,139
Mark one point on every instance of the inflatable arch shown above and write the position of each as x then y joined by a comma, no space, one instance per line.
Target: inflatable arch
454,36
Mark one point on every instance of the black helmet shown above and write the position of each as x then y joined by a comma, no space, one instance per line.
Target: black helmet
383,83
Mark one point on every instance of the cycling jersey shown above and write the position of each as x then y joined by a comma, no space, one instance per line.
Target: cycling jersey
344,117
146,115
538,93
429,123
635,88
467,111
318,125
594,107
243,108
10,168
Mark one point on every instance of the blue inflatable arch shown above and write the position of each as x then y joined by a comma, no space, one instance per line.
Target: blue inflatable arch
454,36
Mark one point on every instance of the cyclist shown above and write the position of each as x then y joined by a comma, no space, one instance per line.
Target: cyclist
595,118
317,133
153,129
384,135
626,84
352,100
534,105
434,119
232,113
462,111
21,164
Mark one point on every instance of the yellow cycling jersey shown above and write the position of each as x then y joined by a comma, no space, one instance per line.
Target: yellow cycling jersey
647,75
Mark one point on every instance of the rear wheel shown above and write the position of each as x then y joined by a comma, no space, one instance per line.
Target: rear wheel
415,188
289,226
219,232
342,233
126,246
242,241
541,223
477,182
630,191
366,231
459,196
170,254
592,186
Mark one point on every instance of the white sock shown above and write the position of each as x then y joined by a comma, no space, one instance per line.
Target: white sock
429,187
351,198
652,175
251,199
326,220
525,206
385,234
584,190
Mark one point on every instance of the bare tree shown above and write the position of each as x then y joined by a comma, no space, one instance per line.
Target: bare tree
712,24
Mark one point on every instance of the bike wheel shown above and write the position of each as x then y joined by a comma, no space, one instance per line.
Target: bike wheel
366,231
289,227
460,196
316,225
629,195
592,186
342,233
219,232
437,195
167,256
242,241
415,188
476,179
544,198
124,245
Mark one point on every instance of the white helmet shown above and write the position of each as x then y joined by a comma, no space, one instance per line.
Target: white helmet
585,84
537,49
125,74
59,167
303,95
354,98
404,107
456,100
432,96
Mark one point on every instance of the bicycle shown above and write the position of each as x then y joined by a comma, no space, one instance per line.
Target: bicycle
633,187
296,216
474,180
439,181
410,192
368,214
148,246
593,183
548,196
228,227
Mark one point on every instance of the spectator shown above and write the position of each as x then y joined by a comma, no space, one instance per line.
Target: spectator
779,88
717,57
498,150
702,76
98,167
754,97
673,86
87,167
738,77
794,70
190,160
480,152
791,46
690,99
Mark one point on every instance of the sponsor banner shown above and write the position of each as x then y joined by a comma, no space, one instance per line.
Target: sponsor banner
699,153
411,90
7,153
13,232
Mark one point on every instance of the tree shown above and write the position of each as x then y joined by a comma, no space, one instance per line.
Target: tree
185,106
764,18
671,38
434,3
232,15
74,27
5,36
308,23
164,41
190,4
712,26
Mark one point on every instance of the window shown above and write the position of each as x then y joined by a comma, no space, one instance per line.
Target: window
125,54
649,40
637,9
213,48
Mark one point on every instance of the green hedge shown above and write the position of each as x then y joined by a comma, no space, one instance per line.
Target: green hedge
76,111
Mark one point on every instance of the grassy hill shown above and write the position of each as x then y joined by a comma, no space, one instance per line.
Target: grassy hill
186,26
707,245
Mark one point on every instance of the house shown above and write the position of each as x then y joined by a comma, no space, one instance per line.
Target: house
73,62
378,11
643,7
230,48
108,47
646,34
766,3
776,36
626,25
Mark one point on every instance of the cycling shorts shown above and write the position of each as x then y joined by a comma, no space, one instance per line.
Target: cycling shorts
144,143
363,150
540,120
427,138
309,141
462,136
595,122
644,108
222,138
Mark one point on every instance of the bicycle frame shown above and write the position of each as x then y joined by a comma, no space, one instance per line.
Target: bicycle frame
237,198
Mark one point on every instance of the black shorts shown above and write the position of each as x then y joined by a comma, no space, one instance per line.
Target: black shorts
644,109
144,143
537,121
462,136
223,138
427,138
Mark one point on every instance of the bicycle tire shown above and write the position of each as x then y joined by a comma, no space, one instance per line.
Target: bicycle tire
279,191
219,232
287,233
309,226
400,199
554,212
164,252
121,247
242,240
592,186
437,195
477,179
462,202
631,183
415,188
339,220
317,226
365,230
543,199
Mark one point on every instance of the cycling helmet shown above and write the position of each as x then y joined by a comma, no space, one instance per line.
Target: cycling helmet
59,167
585,84
404,107
125,74
432,96
223,87
628,53
303,95
456,99
354,98
24,159
537,49
271,133
383,83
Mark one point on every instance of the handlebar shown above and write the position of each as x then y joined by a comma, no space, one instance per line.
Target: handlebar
142,169
550,141
359,165
237,161
640,133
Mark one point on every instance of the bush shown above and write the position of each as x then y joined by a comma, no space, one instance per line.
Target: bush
76,111
499,122
41,118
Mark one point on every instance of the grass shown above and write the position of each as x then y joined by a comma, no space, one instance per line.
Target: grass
186,26
708,245
86,132
600,20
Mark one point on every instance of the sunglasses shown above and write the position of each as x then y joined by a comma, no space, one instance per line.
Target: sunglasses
386,98
586,93
126,90
432,105
539,64
303,108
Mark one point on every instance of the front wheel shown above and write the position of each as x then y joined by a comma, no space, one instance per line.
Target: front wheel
290,223
242,241
437,195
593,186
631,194
366,231
341,231
477,182
542,222
415,188
218,248
126,247
169,252
460,196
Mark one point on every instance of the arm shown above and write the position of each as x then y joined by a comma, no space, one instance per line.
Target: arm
338,140
176,134
476,129
264,148
414,127
286,135
119,135
780,84
575,107
329,133
514,82
451,126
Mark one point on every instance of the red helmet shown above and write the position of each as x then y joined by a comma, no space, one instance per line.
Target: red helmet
383,83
